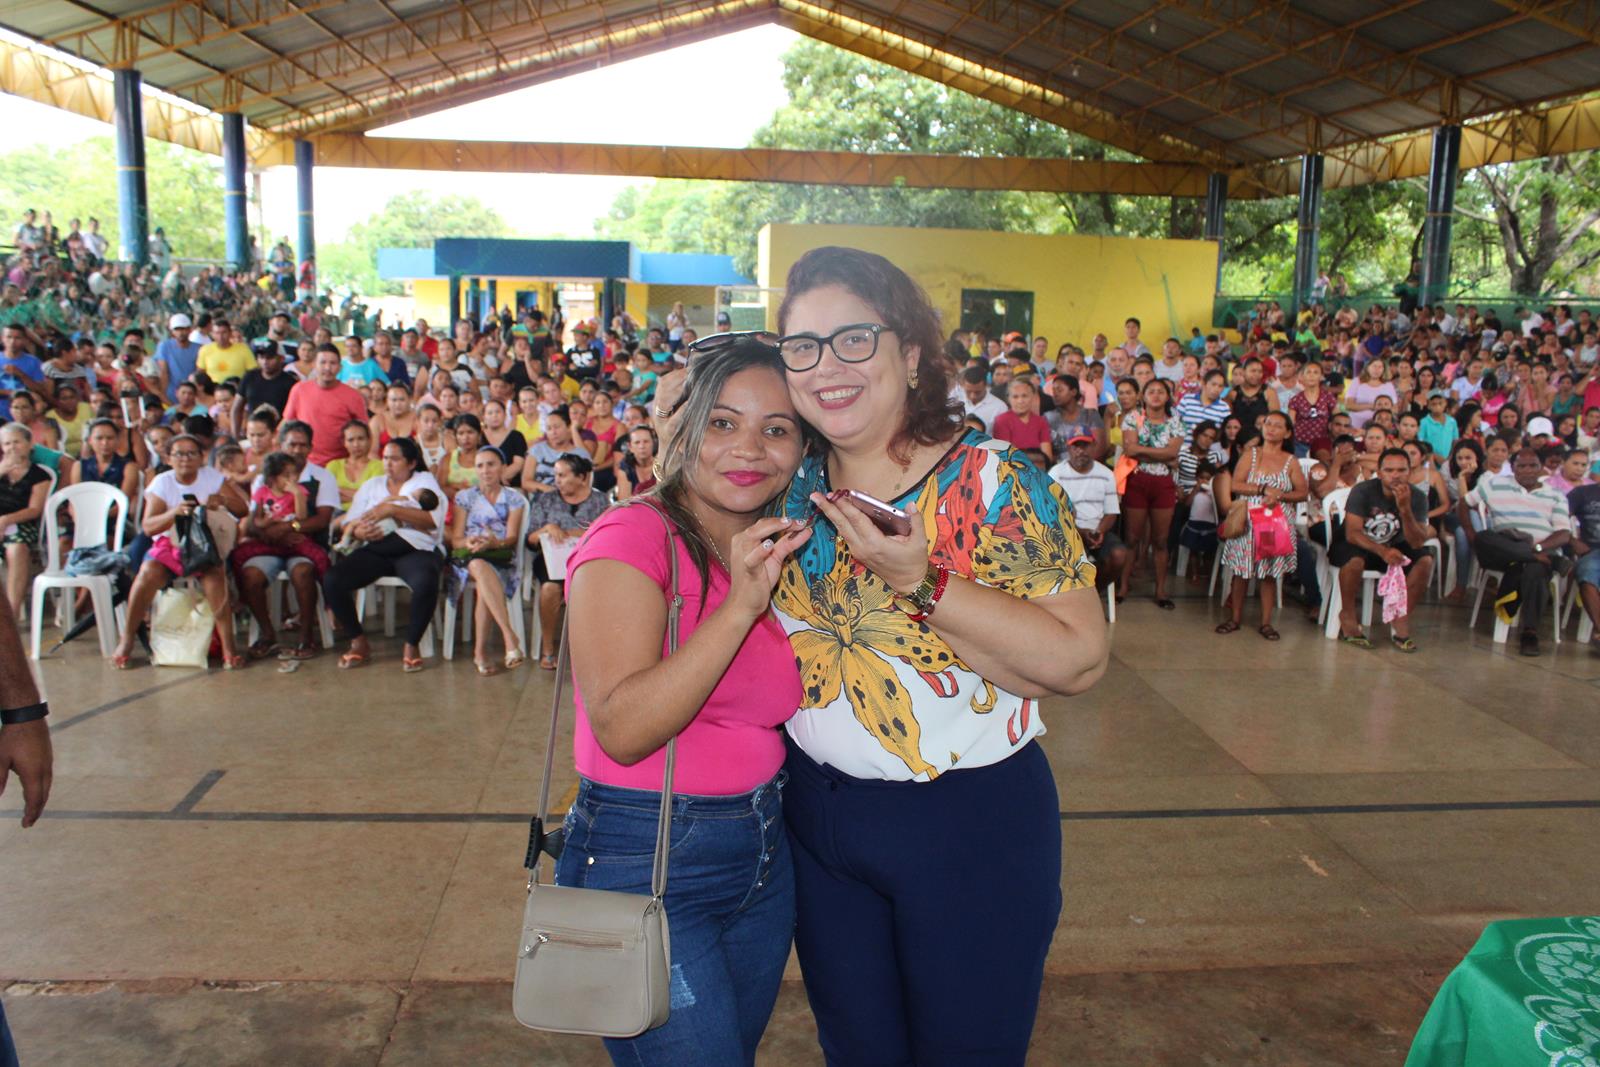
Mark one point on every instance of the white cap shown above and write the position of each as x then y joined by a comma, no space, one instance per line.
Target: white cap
180,319
1540,425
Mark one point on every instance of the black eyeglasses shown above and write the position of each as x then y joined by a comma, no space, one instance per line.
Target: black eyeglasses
856,343
704,346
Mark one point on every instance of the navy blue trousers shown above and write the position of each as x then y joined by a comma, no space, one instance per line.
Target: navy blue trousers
925,909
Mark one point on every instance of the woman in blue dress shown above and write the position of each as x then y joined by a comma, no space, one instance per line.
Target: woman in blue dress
485,525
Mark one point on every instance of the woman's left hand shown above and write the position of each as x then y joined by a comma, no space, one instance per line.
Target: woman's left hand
901,561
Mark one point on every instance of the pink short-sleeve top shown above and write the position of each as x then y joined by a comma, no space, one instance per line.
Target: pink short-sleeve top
733,745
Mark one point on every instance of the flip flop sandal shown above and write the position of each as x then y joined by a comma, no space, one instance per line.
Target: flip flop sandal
514,659
1404,644
410,666
1227,626
1165,605
234,662
303,651
351,660
547,663
263,648
1269,633
1358,640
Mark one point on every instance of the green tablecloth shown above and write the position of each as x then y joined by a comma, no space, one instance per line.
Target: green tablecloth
1527,994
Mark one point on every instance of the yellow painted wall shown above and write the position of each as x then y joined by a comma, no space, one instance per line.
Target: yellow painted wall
1081,285
636,300
432,295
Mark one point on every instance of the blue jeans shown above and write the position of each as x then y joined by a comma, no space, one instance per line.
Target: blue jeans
8,1050
730,909
1588,569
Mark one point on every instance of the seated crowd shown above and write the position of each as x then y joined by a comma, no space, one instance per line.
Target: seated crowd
423,458
1365,441
1403,436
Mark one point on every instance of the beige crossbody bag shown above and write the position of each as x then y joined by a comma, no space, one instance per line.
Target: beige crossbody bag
595,961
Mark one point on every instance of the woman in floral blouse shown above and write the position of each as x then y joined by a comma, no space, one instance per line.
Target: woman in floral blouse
923,656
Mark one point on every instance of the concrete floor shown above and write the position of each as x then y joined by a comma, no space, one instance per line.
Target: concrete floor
1269,856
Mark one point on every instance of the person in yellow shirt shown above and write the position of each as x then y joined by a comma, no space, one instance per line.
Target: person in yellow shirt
71,415
226,356
528,423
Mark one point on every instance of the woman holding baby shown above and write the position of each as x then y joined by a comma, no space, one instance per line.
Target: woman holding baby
394,528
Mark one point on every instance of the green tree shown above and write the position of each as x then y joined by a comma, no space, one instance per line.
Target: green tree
410,220
1528,225
1545,216
184,189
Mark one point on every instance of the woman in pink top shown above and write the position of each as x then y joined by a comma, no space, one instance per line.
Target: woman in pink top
732,684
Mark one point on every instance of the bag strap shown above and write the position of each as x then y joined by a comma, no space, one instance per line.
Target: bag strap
537,837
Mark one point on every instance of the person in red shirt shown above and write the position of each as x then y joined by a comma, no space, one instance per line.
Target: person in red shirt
1023,427
327,404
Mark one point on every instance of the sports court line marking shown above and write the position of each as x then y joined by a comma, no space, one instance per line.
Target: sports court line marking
201,788
124,701
182,814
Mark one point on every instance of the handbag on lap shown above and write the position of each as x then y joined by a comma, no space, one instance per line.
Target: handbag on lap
595,961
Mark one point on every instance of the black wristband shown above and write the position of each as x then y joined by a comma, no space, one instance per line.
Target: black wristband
18,716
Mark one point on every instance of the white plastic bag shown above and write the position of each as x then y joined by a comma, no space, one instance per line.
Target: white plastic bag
181,624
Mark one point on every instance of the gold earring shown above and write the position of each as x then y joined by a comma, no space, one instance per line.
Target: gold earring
911,377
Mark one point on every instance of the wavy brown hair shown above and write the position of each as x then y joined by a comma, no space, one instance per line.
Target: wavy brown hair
931,416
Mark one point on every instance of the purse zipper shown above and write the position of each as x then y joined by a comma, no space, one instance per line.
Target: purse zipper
547,937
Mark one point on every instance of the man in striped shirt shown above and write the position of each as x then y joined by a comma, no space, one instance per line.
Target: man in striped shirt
1205,406
1528,522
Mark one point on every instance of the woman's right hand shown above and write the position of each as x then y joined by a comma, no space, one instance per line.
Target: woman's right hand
757,557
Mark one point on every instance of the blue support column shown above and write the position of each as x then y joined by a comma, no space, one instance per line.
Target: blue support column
304,157
607,305
133,208
474,302
1305,250
455,302
235,219
494,308
1216,209
1443,173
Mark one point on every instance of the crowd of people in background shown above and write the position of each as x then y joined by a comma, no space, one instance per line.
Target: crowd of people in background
334,452
1390,437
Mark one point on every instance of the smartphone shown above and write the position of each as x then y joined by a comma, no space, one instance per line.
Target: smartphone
191,499
891,520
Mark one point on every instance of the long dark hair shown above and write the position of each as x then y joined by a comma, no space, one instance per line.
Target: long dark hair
932,417
708,374
412,452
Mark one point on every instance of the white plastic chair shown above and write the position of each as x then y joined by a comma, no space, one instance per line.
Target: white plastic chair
93,504
280,591
1333,599
387,589
514,602
1480,581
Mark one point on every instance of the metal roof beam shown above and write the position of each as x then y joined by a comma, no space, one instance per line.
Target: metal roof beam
1117,49
173,26
974,70
373,52
422,100
1554,130
751,164
34,75
1338,49
1394,73
1581,19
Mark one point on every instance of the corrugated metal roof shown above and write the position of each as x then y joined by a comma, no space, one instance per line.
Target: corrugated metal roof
1224,81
